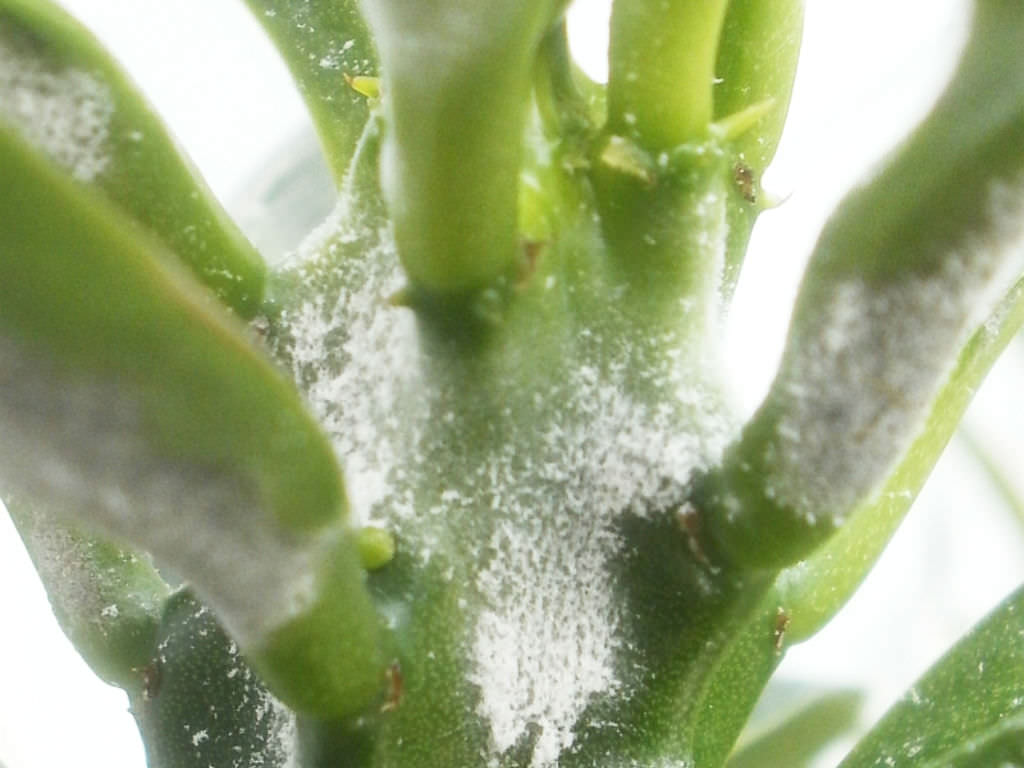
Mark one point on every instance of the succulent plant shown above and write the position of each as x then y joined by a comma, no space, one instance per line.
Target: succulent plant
458,483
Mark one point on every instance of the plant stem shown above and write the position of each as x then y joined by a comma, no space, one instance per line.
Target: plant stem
456,88
902,272
662,68
561,104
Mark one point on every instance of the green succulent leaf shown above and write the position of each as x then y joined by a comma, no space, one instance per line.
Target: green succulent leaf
804,597
455,89
757,58
107,600
67,97
814,590
967,711
796,741
131,403
324,44
569,103
902,274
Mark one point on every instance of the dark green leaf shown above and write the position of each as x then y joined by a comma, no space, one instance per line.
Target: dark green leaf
202,704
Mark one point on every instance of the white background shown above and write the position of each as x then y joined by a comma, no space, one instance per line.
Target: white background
868,70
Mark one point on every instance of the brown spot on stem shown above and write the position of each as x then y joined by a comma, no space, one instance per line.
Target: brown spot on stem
689,520
781,625
393,675
743,175
531,253
152,676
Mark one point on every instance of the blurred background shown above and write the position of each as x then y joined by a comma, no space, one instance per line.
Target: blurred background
869,70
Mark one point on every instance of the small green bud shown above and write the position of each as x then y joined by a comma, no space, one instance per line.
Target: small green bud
376,547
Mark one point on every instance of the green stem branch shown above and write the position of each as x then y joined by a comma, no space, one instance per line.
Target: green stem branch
899,279
456,88
662,69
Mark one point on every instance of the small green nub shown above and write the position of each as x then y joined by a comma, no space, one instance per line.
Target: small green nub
376,547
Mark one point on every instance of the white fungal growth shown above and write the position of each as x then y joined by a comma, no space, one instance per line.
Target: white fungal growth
358,398
856,386
80,447
536,504
65,113
552,631
77,572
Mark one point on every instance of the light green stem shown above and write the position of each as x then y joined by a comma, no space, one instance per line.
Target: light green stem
662,69
456,86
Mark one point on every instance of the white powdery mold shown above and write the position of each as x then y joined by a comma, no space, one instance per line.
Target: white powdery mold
79,446
546,627
281,748
548,642
80,582
65,113
856,387
362,398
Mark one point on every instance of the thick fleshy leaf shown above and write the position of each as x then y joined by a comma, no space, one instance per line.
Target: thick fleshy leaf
900,277
967,711
798,739
814,590
756,62
131,403
107,600
569,104
806,596
67,97
323,44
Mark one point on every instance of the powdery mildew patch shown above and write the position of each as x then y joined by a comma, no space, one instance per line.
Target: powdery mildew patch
546,625
356,356
63,112
866,372
79,446
554,626
82,584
